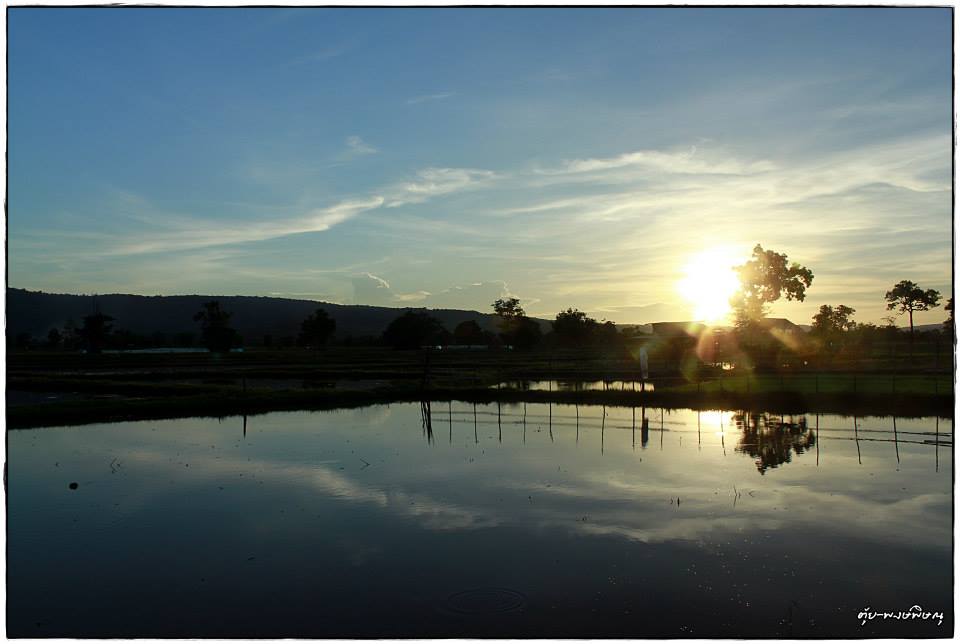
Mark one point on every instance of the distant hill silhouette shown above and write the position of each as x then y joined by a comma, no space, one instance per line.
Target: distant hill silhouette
254,317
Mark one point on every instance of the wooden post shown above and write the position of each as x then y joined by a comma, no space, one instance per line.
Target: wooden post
550,426
603,426
723,442
896,444
856,439
524,423
818,440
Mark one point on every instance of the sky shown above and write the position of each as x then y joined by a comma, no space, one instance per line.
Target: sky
444,158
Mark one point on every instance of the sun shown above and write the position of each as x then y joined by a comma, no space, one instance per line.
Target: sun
709,281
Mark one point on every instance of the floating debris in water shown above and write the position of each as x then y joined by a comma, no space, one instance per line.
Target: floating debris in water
74,485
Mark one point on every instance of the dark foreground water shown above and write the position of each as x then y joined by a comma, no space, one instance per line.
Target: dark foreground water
554,521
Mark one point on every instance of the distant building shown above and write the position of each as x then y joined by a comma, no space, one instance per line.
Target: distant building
678,329
779,324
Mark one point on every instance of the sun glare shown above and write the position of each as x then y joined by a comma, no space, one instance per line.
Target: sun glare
709,281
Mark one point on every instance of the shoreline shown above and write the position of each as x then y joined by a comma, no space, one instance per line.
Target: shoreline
256,402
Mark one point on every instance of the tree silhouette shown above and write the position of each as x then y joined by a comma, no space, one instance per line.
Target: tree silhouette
508,308
907,297
54,338
948,323
95,330
764,278
515,327
215,329
412,330
573,326
469,332
526,333
316,329
829,323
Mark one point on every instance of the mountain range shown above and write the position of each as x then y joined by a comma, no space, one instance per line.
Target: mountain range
36,313
254,317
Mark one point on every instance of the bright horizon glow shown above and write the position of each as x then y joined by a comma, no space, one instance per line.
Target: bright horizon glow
709,282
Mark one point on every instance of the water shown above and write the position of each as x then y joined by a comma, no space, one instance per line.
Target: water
418,521
578,385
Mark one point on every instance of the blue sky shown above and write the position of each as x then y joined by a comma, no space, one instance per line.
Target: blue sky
446,157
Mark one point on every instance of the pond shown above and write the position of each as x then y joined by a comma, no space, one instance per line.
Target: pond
455,520
576,385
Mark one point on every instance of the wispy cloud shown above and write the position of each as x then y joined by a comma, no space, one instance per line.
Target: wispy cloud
177,231
359,147
416,296
686,162
429,97
432,182
317,56
186,233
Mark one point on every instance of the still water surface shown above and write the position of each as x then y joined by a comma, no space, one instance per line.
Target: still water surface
455,521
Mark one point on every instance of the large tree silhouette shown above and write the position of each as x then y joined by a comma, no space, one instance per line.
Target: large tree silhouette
469,332
829,324
414,329
948,323
573,326
515,327
317,328
907,297
764,279
95,330
508,308
215,328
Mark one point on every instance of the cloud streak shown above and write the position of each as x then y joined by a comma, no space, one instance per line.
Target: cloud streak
358,147
416,100
180,232
198,233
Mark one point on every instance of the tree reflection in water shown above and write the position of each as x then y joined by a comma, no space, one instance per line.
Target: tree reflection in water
771,440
